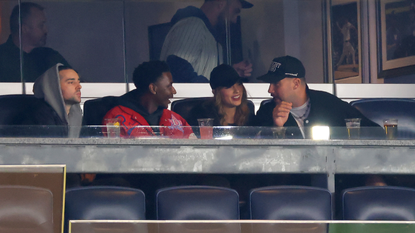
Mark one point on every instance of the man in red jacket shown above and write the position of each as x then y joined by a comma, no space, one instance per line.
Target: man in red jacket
145,108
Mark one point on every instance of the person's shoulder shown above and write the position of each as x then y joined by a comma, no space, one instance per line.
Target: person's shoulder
6,48
120,109
190,23
323,95
3,46
44,50
41,113
328,100
175,114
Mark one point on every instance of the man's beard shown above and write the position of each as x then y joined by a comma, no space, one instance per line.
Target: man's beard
71,101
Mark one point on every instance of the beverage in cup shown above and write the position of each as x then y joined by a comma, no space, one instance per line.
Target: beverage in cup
353,128
113,127
206,128
391,128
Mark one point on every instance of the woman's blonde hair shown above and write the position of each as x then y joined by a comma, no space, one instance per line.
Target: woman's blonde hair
241,113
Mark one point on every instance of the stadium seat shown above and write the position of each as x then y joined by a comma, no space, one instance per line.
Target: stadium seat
14,109
290,203
104,203
379,203
25,209
156,36
380,109
197,203
94,112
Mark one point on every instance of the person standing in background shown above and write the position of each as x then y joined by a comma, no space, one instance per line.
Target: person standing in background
192,48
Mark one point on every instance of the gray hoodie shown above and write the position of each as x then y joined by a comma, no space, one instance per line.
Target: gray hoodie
48,88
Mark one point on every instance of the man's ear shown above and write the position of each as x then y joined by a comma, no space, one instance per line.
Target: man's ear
153,88
297,82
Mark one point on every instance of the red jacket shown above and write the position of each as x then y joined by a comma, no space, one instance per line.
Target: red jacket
174,124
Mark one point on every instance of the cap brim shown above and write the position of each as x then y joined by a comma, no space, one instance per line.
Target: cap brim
238,80
270,78
246,4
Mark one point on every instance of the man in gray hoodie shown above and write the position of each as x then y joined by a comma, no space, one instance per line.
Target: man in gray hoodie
59,94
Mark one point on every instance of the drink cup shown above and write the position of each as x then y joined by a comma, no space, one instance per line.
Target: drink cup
279,132
353,127
113,127
391,128
206,128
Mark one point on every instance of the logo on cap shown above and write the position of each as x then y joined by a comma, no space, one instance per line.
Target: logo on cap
274,66
291,74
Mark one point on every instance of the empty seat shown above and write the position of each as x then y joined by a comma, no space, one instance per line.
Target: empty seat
290,203
380,109
197,203
379,203
156,36
94,112
104,203
14,110
25,209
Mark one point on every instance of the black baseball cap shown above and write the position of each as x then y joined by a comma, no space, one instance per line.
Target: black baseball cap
283,67
224,76
246,4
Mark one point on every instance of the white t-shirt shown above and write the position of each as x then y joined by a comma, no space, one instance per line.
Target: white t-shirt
300,114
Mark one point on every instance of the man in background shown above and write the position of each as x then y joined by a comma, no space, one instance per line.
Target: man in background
192,48
36,58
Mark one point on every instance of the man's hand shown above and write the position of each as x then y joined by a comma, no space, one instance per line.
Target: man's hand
244,68
281,112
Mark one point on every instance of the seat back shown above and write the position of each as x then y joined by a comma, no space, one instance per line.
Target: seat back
25,209
14,107
104,203
265,102
94,112
156,36
290,203
380,109
14,110
379,203
183,107
197,203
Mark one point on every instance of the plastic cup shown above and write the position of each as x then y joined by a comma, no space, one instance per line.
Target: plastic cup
391,128
206,128
279,132
353,127
113,127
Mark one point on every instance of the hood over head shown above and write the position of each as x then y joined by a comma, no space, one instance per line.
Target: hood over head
48,88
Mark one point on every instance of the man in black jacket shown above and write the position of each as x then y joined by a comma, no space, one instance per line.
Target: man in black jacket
299,108
36,57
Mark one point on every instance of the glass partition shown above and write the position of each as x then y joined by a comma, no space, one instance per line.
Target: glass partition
105,40
215,132
243,226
